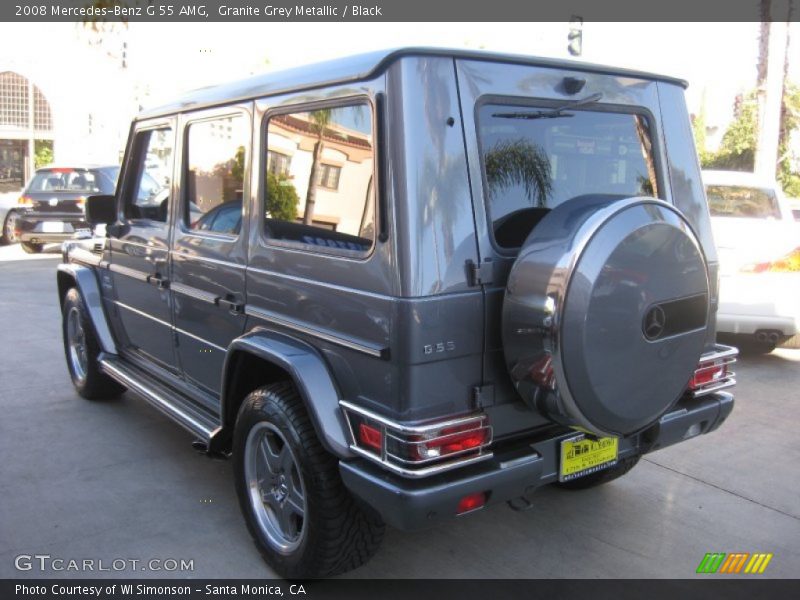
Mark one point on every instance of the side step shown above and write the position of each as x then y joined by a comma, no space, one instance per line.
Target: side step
190,416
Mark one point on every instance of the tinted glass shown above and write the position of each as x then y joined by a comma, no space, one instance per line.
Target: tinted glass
150,199
319,179
535,159
65,180
215,173
740,201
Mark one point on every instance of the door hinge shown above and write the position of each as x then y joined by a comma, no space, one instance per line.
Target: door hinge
483,395
175,338
480,274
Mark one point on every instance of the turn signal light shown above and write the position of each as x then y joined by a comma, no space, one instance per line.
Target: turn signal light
471,502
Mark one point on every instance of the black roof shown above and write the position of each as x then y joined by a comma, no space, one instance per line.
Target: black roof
360,67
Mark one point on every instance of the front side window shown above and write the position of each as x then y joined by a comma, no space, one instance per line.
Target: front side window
215,165
151,189
742,201
536,158
324,197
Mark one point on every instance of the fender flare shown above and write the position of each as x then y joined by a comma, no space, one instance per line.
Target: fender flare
309,372
85,279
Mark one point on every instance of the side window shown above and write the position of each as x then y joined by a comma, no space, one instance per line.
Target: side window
150,197
214,177
319,172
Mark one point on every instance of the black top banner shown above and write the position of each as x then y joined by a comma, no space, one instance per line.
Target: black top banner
396,11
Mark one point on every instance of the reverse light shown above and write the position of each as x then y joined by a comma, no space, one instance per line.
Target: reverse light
450,440
789,263
471,502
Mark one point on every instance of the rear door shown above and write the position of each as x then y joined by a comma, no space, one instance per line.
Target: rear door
140,247
208,244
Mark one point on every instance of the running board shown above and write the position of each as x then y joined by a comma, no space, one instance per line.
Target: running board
179,409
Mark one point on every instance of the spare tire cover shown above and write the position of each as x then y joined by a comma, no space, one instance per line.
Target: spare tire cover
605,313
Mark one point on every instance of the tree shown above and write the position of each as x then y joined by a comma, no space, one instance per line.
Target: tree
282,198
319,120
788,162
738,147
42,153
519,162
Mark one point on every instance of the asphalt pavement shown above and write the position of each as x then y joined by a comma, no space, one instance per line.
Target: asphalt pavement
116,481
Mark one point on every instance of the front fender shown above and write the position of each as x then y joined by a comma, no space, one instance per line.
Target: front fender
309,372
85,279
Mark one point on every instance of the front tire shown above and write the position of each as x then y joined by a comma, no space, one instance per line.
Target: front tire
302,519
32,248
82,350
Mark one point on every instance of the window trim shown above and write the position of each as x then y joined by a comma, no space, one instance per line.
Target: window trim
130,173
204,116
261,204
544,103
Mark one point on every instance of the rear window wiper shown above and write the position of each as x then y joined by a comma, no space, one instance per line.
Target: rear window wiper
553,113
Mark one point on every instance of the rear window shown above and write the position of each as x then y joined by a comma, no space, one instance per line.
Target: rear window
741,201
64,180
535,158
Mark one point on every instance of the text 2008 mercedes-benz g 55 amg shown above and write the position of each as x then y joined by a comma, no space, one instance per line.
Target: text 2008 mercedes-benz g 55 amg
404,286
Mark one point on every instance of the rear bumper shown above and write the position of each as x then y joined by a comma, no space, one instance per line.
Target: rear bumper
35,227
515,470
765,301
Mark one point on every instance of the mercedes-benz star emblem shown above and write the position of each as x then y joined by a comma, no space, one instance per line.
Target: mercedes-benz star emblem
654,322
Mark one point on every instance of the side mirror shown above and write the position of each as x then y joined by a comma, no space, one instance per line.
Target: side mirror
101,210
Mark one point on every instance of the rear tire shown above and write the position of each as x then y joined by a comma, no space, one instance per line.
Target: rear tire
9,232
302,519
32,248
82,350
601,477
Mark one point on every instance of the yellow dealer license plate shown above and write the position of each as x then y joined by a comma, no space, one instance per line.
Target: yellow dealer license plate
581,455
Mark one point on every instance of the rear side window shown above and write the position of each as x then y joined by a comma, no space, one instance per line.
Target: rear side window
215,164
319,180
740,201
535,158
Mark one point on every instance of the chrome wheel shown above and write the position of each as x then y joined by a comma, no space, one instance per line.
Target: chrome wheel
276,490
10,229
76,342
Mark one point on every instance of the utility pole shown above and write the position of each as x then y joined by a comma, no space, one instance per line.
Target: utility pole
770,95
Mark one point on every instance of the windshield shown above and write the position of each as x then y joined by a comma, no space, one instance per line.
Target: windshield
64,180
741,201
532,165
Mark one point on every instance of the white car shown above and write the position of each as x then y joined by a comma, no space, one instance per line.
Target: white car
8,217
758,243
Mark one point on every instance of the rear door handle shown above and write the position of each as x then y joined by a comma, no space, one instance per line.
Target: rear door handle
229,302
157,280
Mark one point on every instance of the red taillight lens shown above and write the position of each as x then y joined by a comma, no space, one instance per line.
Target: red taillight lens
708,372
471,502
785,264
370,436
451,440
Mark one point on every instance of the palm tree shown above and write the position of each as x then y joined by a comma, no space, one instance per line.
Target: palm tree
319,120
519,162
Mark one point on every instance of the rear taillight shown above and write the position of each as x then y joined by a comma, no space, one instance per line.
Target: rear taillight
81,202
713,371
785,264
25,201
418,450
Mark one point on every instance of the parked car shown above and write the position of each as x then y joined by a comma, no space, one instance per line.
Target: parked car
493,273
54,201
758,243
9,212
794,206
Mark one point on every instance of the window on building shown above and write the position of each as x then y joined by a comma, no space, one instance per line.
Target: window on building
214,179
333,209
278,164
328,176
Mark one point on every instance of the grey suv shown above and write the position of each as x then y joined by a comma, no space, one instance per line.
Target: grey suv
404,286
